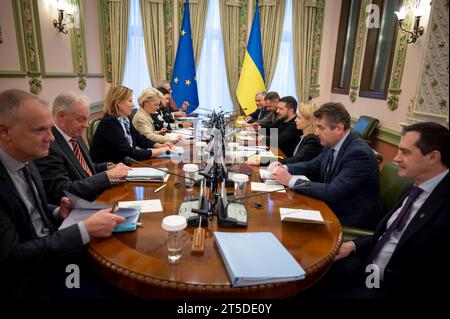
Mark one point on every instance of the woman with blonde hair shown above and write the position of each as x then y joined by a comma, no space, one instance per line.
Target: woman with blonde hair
115,137
309,145
149,102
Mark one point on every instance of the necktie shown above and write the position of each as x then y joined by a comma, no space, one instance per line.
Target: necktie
398,224
126,124
329,166
79,156
35,196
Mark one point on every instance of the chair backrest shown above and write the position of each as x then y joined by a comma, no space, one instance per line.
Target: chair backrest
365,126
90,131
392,185
133,112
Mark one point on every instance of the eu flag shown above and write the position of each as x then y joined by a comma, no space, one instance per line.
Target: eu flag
184,79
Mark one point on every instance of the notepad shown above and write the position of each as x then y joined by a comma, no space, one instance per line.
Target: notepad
262,187
146,206
83,209
301,215
147,174
255,258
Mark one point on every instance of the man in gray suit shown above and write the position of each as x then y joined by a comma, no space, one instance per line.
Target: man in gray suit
68,166
30,242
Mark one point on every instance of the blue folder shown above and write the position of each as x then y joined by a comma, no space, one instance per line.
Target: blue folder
83,209
256,259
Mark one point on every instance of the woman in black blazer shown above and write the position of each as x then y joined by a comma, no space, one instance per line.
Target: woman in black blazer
116,137
309,145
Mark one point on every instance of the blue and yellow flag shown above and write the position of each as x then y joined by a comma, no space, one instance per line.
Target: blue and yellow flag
252,74
184,79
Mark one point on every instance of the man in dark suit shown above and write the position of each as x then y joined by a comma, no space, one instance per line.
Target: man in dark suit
30,242
68,166
403,259
260,108
345,175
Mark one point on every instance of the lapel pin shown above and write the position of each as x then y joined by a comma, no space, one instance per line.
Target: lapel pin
422,215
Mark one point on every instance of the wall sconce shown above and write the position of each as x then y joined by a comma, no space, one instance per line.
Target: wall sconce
59,23
417,31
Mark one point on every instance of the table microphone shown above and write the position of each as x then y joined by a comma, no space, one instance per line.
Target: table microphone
129,160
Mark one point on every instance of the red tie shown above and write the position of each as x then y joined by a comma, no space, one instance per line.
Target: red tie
79,156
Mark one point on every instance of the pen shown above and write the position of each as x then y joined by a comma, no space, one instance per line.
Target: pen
159,188
113,208
140,224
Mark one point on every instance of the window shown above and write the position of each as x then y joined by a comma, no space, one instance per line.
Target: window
136,75
284,79
379,53
343,63
212,81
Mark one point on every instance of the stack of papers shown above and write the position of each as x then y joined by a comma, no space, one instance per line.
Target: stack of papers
256,259
262,187
301,215
83,209
146,206
147,174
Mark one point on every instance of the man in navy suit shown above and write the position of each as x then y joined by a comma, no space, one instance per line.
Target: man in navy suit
68,166
31,246
345,175
404,257
260,108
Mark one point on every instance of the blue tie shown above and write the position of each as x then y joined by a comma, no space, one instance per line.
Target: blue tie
126,124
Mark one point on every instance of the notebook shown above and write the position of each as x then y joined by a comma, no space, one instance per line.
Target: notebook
256,258
301,215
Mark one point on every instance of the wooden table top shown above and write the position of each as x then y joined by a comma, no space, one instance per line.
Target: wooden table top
137,261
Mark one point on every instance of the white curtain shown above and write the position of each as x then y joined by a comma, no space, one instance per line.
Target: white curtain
211,74
284,79
136,75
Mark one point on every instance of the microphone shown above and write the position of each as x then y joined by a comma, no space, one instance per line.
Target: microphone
129,160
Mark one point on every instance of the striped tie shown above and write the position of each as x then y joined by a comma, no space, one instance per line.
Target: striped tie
79,156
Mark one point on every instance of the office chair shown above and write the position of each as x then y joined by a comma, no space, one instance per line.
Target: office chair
90,130
365,126
391,187
133,112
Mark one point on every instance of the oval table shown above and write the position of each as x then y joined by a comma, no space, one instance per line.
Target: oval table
137,261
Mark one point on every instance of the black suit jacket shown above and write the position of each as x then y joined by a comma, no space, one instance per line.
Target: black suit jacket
111,145
61,171
310,147
416,263
23,255
353,192
258,114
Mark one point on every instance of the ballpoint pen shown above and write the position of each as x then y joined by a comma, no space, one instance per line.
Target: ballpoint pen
113,208
159,188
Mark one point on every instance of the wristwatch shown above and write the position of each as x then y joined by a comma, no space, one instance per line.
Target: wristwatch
110,165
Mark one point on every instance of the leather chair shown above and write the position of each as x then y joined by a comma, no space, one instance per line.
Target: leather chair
90,130
365,126
391,187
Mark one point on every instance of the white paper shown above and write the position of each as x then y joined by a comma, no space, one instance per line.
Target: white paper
262,187
267,154
246,138
147,206
313,216
145,172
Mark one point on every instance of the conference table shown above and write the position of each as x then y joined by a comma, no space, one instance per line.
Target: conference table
137,261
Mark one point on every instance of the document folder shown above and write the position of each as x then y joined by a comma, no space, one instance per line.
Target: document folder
83,209
256,259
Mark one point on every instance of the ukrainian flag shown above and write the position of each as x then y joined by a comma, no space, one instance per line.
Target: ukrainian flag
252,74
184,79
